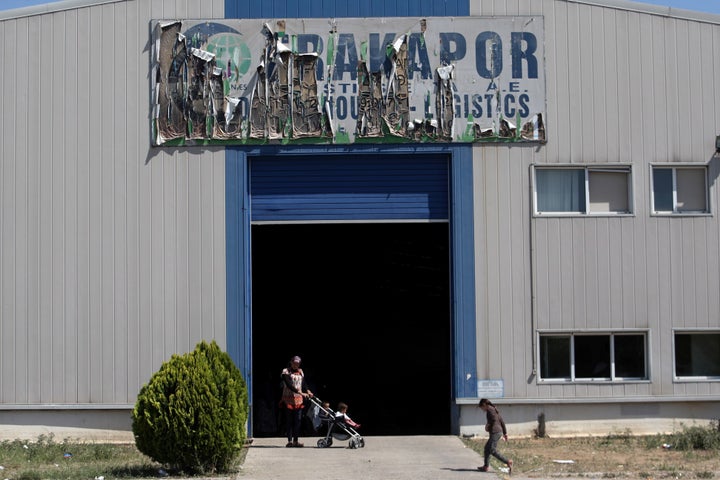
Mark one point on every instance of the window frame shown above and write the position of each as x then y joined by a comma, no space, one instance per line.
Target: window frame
587,169
675,212
613,378
695,378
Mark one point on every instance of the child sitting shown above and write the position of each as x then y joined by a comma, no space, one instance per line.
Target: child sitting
342,415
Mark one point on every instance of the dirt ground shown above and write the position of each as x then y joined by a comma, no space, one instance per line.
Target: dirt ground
614,456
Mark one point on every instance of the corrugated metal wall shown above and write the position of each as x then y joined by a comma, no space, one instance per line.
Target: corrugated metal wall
111,253
622,87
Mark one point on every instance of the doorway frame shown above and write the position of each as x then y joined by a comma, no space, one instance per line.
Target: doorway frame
462,263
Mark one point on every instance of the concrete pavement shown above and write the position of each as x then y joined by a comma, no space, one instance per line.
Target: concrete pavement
382,458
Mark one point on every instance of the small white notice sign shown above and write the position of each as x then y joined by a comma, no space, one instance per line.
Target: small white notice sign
491,388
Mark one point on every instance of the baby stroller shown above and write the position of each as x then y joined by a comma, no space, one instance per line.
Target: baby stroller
336,427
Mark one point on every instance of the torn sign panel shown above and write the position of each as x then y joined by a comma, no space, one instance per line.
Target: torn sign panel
370,103
349,79
259,105
278,93
445,101
397,101
306,115
201,64
171,74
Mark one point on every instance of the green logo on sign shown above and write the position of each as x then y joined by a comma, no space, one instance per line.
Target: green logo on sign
231,54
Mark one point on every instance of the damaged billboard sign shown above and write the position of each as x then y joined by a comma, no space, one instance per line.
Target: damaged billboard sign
349,80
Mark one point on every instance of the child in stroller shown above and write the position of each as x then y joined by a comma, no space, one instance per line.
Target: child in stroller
339,425
342,415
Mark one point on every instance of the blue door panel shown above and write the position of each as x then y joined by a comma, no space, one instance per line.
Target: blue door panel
343,8
329,188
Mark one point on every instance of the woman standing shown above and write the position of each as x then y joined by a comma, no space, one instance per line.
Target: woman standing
495,426
294,392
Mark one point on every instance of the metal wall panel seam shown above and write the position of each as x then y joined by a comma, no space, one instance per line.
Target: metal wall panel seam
70,252
237,234
4,325
95,204
133,156
56,210
45,218
219,239
463,267
83,383
14,249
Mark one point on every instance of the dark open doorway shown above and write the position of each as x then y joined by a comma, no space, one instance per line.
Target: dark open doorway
367,307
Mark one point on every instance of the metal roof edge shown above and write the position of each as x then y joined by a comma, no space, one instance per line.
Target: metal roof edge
627,5
51,8
651,9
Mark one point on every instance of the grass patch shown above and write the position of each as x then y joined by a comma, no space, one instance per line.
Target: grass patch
697,437
691,452
46,458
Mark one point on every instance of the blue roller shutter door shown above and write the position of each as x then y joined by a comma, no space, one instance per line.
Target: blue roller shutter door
349,188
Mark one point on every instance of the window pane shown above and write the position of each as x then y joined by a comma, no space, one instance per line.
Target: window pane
697,354
592,356
630,356
560,190
608,191
691,190
554,357
663,189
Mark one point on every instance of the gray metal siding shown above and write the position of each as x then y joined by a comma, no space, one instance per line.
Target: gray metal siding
622,87
111,253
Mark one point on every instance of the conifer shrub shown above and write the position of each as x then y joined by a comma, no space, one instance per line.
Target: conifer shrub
191,416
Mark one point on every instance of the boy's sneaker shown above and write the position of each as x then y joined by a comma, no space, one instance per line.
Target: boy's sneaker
484,468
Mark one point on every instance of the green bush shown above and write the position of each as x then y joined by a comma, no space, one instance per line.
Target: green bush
192,414
697,438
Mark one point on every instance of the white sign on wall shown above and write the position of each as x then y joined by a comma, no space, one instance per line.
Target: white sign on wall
491,389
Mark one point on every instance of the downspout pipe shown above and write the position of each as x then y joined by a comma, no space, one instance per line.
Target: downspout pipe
533,279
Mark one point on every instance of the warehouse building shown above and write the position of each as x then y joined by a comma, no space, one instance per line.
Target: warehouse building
430,202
